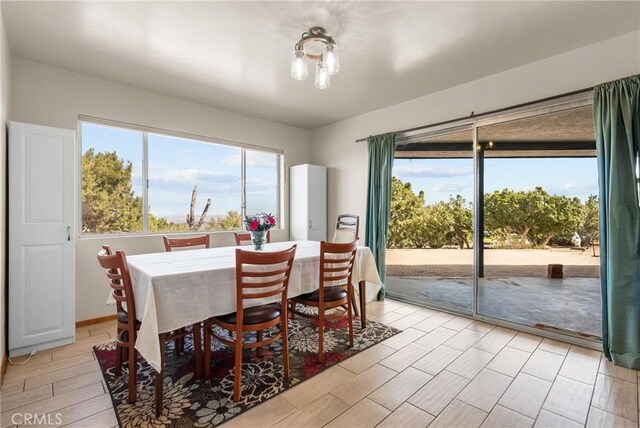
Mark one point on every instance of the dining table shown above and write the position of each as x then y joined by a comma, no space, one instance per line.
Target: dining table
177,289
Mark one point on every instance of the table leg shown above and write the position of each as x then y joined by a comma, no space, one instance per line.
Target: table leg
197,347
159,381
362,286
353,303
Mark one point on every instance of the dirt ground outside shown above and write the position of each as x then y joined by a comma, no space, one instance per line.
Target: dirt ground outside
498,262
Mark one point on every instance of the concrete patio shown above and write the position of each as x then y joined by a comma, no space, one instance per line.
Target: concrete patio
515,287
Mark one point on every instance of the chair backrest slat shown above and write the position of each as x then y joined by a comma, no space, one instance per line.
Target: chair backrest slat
196,241
336,277
262,274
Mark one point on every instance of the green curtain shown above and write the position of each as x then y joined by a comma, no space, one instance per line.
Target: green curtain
381,150
617,125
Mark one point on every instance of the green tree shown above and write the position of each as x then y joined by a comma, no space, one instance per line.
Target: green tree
462,221
439,225
518,212
405,223
590,221
560,217
161,224
109,204
233,220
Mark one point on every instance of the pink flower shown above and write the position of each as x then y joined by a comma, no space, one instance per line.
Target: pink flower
272,220
253,225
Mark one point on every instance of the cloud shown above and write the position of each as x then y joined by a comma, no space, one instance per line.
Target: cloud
192,176
233,159
449,186
579,186
431,171
571,189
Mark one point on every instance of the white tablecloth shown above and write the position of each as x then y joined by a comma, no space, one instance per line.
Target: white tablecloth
178,289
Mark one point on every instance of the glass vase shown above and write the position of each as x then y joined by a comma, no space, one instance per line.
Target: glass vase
258,238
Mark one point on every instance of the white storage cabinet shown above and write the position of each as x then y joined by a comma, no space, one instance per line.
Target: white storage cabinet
308,202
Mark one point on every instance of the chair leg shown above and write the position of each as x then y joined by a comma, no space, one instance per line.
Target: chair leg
197,348
133,382
178,344
160,378
259,339
237,373
207,349
292,307
350,317
125,350
362,286
119,353
284,331
321,333
354,305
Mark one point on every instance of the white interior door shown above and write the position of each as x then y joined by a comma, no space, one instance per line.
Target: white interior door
41,237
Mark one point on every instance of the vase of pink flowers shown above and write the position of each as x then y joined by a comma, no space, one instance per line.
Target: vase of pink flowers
258,225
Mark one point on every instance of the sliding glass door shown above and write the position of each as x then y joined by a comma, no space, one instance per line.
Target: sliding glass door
498,219
540,217
430,255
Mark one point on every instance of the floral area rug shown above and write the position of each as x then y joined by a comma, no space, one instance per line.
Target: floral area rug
189,401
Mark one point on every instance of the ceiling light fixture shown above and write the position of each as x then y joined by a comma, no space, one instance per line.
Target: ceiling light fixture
328,62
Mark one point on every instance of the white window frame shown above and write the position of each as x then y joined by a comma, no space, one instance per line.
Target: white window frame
146,130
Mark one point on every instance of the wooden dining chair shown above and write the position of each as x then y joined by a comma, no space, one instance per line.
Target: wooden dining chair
127,324
259,275
334,291
203,241
244,238
197,241
122,291
347,228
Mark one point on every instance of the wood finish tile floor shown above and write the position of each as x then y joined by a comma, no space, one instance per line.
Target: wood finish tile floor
441,371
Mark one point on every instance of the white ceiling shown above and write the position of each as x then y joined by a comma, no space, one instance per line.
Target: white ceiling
236,55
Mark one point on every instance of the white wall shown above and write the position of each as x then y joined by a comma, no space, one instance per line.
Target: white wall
5,96
50,96
334,145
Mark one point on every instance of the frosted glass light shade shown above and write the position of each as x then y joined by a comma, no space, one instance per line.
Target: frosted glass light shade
331,59
299,70
323,81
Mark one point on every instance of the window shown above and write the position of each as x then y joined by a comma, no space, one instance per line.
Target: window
111,180
224,181
262,177
177,167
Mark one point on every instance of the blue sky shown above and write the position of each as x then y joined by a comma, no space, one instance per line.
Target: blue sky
440,178
176,165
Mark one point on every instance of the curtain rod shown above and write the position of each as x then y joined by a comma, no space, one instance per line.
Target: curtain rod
500,110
